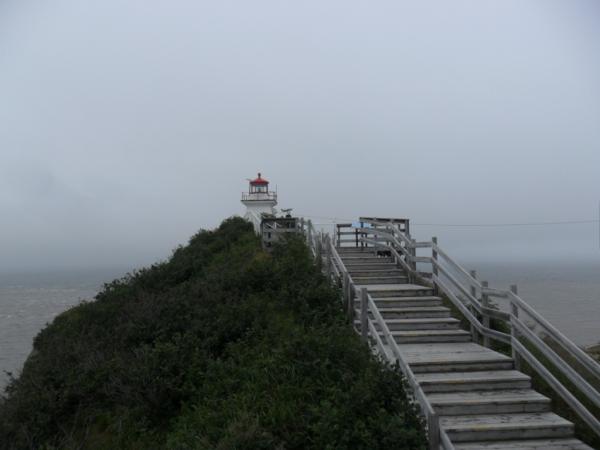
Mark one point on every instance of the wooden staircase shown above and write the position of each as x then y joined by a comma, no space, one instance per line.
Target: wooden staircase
482,401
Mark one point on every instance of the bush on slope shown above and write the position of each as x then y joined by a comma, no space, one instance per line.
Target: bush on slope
223,346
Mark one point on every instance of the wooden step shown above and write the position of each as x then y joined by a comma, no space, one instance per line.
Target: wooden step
468,381
429,323
360,259
535,444
387,279
386,272
347,255
374,264
489,402
353,249
494,427
402,302
397,290
414,312
413,336
456,357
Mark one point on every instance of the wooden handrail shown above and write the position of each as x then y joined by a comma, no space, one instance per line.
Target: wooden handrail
558,387
555,359
472,300
427,409
473,281
581,357
499,336
485,331
402,247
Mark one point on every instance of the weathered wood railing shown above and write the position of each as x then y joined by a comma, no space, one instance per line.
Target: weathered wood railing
473,299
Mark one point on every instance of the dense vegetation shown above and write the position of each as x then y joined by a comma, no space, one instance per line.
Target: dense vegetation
594,352
222,347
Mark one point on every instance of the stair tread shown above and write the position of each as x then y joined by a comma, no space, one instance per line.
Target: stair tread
469,377
376,264
378,269
355,251
483,422
366,256
403,302
414,309
407,298
449,353
530,444
423,320
494,396
396,287
380,276
436,332
384,273
370,281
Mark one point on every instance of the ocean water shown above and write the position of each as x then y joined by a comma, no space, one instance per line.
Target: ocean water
29,301
568,295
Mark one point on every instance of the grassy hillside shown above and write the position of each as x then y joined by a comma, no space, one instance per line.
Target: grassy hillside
222,347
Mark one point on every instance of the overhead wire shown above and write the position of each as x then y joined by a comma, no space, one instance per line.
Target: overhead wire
470,225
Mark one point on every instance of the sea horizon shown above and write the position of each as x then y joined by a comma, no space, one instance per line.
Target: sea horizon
566,293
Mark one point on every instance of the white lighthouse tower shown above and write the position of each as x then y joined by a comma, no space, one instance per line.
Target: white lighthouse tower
258,201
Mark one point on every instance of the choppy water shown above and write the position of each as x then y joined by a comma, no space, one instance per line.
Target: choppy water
568,295
29,301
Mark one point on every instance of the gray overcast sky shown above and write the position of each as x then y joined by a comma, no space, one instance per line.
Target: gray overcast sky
125,126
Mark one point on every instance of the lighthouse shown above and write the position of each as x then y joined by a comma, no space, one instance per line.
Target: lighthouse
259,201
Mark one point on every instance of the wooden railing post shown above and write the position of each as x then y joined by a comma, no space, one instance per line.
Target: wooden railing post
434,265
412,252
319,241
364,313
514,309
474,334
350,296
485,302
433,431
362,235
345,283
328,257
320,245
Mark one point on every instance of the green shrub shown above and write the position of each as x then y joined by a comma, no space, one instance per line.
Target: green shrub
223,346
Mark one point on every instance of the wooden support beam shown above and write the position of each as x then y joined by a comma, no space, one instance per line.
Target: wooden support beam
364,313
514,309
474,334
485,302
434,266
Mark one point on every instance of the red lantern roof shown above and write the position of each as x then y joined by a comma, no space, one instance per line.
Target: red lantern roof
259,180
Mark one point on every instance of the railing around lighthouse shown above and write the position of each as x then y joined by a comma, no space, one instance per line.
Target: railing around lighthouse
259,196
528,336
